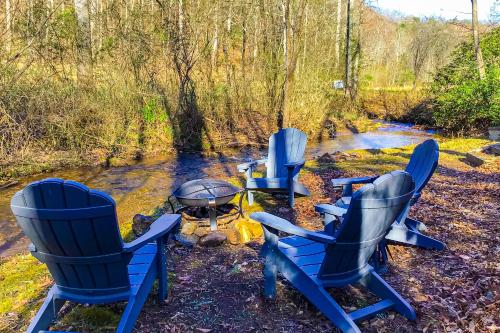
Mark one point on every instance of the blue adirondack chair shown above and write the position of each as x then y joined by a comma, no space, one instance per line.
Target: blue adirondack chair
313,261
284,161
405,230
74,231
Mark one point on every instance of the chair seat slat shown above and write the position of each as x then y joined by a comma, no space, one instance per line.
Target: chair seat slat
136,279
142,259
294,241
303,250
138,269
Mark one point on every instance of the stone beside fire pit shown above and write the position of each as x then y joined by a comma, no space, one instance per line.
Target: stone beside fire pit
195,227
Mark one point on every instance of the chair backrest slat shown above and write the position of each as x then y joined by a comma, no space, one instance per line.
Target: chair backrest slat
286,146
67,223
372,210
423,162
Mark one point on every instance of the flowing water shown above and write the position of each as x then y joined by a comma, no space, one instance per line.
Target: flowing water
146,184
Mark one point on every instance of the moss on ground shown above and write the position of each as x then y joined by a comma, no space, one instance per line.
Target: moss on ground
23,285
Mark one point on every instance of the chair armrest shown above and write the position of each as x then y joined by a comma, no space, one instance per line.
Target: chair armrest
280,224
298,164
330,209
162,226
339,182
245,166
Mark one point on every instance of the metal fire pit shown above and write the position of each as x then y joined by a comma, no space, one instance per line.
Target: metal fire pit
206,193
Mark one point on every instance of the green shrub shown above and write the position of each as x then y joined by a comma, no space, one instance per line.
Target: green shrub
463,103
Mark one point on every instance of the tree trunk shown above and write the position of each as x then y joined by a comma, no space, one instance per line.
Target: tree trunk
215,43
83,42
347,50
229,18
255,44
8,25
357,47
181,19
477,45
338,36
285,5
304,55
243,46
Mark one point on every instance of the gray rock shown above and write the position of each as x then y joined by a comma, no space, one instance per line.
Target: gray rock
233,236
326,158
213,239
187,240
188,228
202,231
474,159
141,224
495,149
494,133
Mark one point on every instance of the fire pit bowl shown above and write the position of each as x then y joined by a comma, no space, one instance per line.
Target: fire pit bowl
199,192
205,192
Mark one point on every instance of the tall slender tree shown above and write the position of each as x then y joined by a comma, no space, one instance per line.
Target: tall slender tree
8,24
83,42
347,89
477,45
338,36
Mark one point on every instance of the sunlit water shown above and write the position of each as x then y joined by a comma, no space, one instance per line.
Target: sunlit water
140,187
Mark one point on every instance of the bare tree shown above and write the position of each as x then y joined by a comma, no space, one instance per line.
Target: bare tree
348,50
8,24
425,39
477,45
285,7
338,36
83,42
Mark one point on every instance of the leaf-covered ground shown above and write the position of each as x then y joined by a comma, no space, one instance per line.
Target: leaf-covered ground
455,290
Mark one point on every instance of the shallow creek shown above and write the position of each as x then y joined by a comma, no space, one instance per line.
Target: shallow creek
146,184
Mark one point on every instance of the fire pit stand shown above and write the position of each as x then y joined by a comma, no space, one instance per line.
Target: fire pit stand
206,193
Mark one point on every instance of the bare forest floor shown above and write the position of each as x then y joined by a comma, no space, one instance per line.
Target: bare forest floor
219,289
456,290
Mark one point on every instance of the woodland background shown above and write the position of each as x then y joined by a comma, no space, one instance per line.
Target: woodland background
90,80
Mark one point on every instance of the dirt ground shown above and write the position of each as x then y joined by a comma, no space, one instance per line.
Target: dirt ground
456,290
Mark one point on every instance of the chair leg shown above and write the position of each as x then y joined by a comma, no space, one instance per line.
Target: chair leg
380,258
316,294
270,272
250,197
133,308
329,221
162,270
400,234
415,225
379,287
130,314
291,194
324,302
136,301
47,313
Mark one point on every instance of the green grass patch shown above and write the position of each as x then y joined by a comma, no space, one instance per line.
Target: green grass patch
96,318
380,161
23,285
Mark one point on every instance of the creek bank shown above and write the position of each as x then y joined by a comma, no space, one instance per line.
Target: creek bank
46,162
